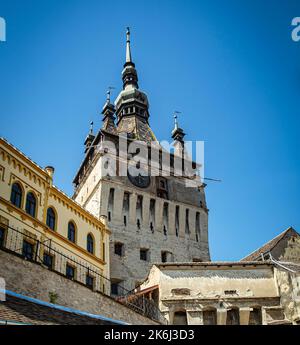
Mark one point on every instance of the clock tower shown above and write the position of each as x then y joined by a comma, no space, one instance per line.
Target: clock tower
152,218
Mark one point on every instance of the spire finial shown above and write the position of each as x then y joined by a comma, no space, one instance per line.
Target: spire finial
108,93
91,127
128,50
175,118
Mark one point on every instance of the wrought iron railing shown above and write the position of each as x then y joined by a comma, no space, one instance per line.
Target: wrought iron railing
51,255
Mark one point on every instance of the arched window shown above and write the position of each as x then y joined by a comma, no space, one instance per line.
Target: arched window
51,218
90,244
31,204
16,194
71,232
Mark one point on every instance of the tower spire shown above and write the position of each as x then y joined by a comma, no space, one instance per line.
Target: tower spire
128,50
177,133
129,74
108,112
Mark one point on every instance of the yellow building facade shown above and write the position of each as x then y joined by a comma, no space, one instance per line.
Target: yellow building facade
42,224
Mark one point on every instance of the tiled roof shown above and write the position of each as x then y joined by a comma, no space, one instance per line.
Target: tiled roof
267,246
20,310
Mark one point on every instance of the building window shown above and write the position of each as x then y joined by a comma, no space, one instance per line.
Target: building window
209,317
152,215
177,220
139,211
71,232
16,195
144,254
2,236
180,318
187,223
198,229
110,203
103,251
114,288
89,281
48,260
255,317
162,189
164,256
30,204
119,249
233,317
90,244
27,250
126,203
51,218
70,271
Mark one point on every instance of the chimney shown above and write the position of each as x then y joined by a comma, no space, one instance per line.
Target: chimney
50,171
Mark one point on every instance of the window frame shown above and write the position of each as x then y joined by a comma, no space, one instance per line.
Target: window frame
113,286
30,244
89,238
121,245
55,218
89,276
52,260
74,271
28,211
21,194
75,231
3,229
144,251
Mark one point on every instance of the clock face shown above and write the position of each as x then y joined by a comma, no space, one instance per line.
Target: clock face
139,181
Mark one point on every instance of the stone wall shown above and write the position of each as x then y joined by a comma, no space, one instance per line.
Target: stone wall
129,268
35,281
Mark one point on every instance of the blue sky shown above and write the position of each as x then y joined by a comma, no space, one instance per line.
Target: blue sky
231,67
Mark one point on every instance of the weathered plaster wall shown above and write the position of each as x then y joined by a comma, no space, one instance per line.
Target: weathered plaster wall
289,289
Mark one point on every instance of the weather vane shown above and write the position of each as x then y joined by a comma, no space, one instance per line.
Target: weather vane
109,92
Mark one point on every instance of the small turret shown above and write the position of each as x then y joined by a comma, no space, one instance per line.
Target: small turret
90,137
108,112
177,133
